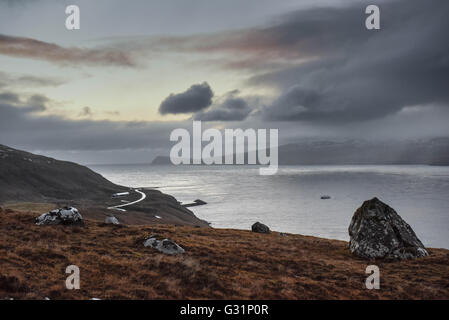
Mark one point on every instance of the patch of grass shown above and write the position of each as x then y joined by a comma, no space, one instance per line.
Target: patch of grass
217,264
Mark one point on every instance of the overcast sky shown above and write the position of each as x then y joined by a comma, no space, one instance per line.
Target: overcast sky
113,90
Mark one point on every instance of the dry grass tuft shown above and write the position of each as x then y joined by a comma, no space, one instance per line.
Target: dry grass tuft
218,264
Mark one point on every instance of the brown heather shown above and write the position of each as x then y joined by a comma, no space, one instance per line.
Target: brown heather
218,264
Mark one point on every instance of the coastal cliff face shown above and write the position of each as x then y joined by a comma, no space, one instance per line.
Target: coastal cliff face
216,264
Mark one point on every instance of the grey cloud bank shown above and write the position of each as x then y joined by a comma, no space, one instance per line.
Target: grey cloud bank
330,69
360,75
232,108
23,124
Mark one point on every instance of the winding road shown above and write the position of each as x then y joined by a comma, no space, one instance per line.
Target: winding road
119,207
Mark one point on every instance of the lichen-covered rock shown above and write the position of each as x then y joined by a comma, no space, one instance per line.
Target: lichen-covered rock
260,228
111,220
377,231
66,216
166,246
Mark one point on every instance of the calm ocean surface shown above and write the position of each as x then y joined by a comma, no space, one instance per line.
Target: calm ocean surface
289,201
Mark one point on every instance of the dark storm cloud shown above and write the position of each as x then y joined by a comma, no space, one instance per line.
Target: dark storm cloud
233,108
11,102
20,47
360,74
304,34
329,68
196,98
23,124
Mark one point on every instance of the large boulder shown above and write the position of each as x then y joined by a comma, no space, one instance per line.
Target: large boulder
260,228
377,231
66,216
166,246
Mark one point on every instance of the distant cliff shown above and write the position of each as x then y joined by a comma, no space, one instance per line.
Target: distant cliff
161,160
358,152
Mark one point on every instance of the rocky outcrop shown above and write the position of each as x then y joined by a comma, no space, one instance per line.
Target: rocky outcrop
260,228
377,231
111,220
166,246
65,216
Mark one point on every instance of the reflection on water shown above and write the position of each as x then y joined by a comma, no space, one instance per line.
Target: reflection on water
290,201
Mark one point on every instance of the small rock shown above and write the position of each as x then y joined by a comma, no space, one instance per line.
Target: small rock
325,197
260,228
166,246
66,216
377,231
283,234
111,220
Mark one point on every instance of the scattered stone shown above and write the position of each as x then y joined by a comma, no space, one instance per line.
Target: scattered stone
197,202
111,220
166,246
260,228
65,216
377,231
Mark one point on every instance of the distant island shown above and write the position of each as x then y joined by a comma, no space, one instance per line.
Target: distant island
353,152
161,160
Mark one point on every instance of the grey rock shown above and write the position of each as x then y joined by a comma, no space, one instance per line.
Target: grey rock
111,220
166,246
377,231
260,228
66,216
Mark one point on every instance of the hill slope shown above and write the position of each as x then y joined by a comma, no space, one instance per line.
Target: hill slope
38,184
217,264
28,177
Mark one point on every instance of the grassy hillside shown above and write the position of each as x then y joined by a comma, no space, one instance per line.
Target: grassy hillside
218,264
28,177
